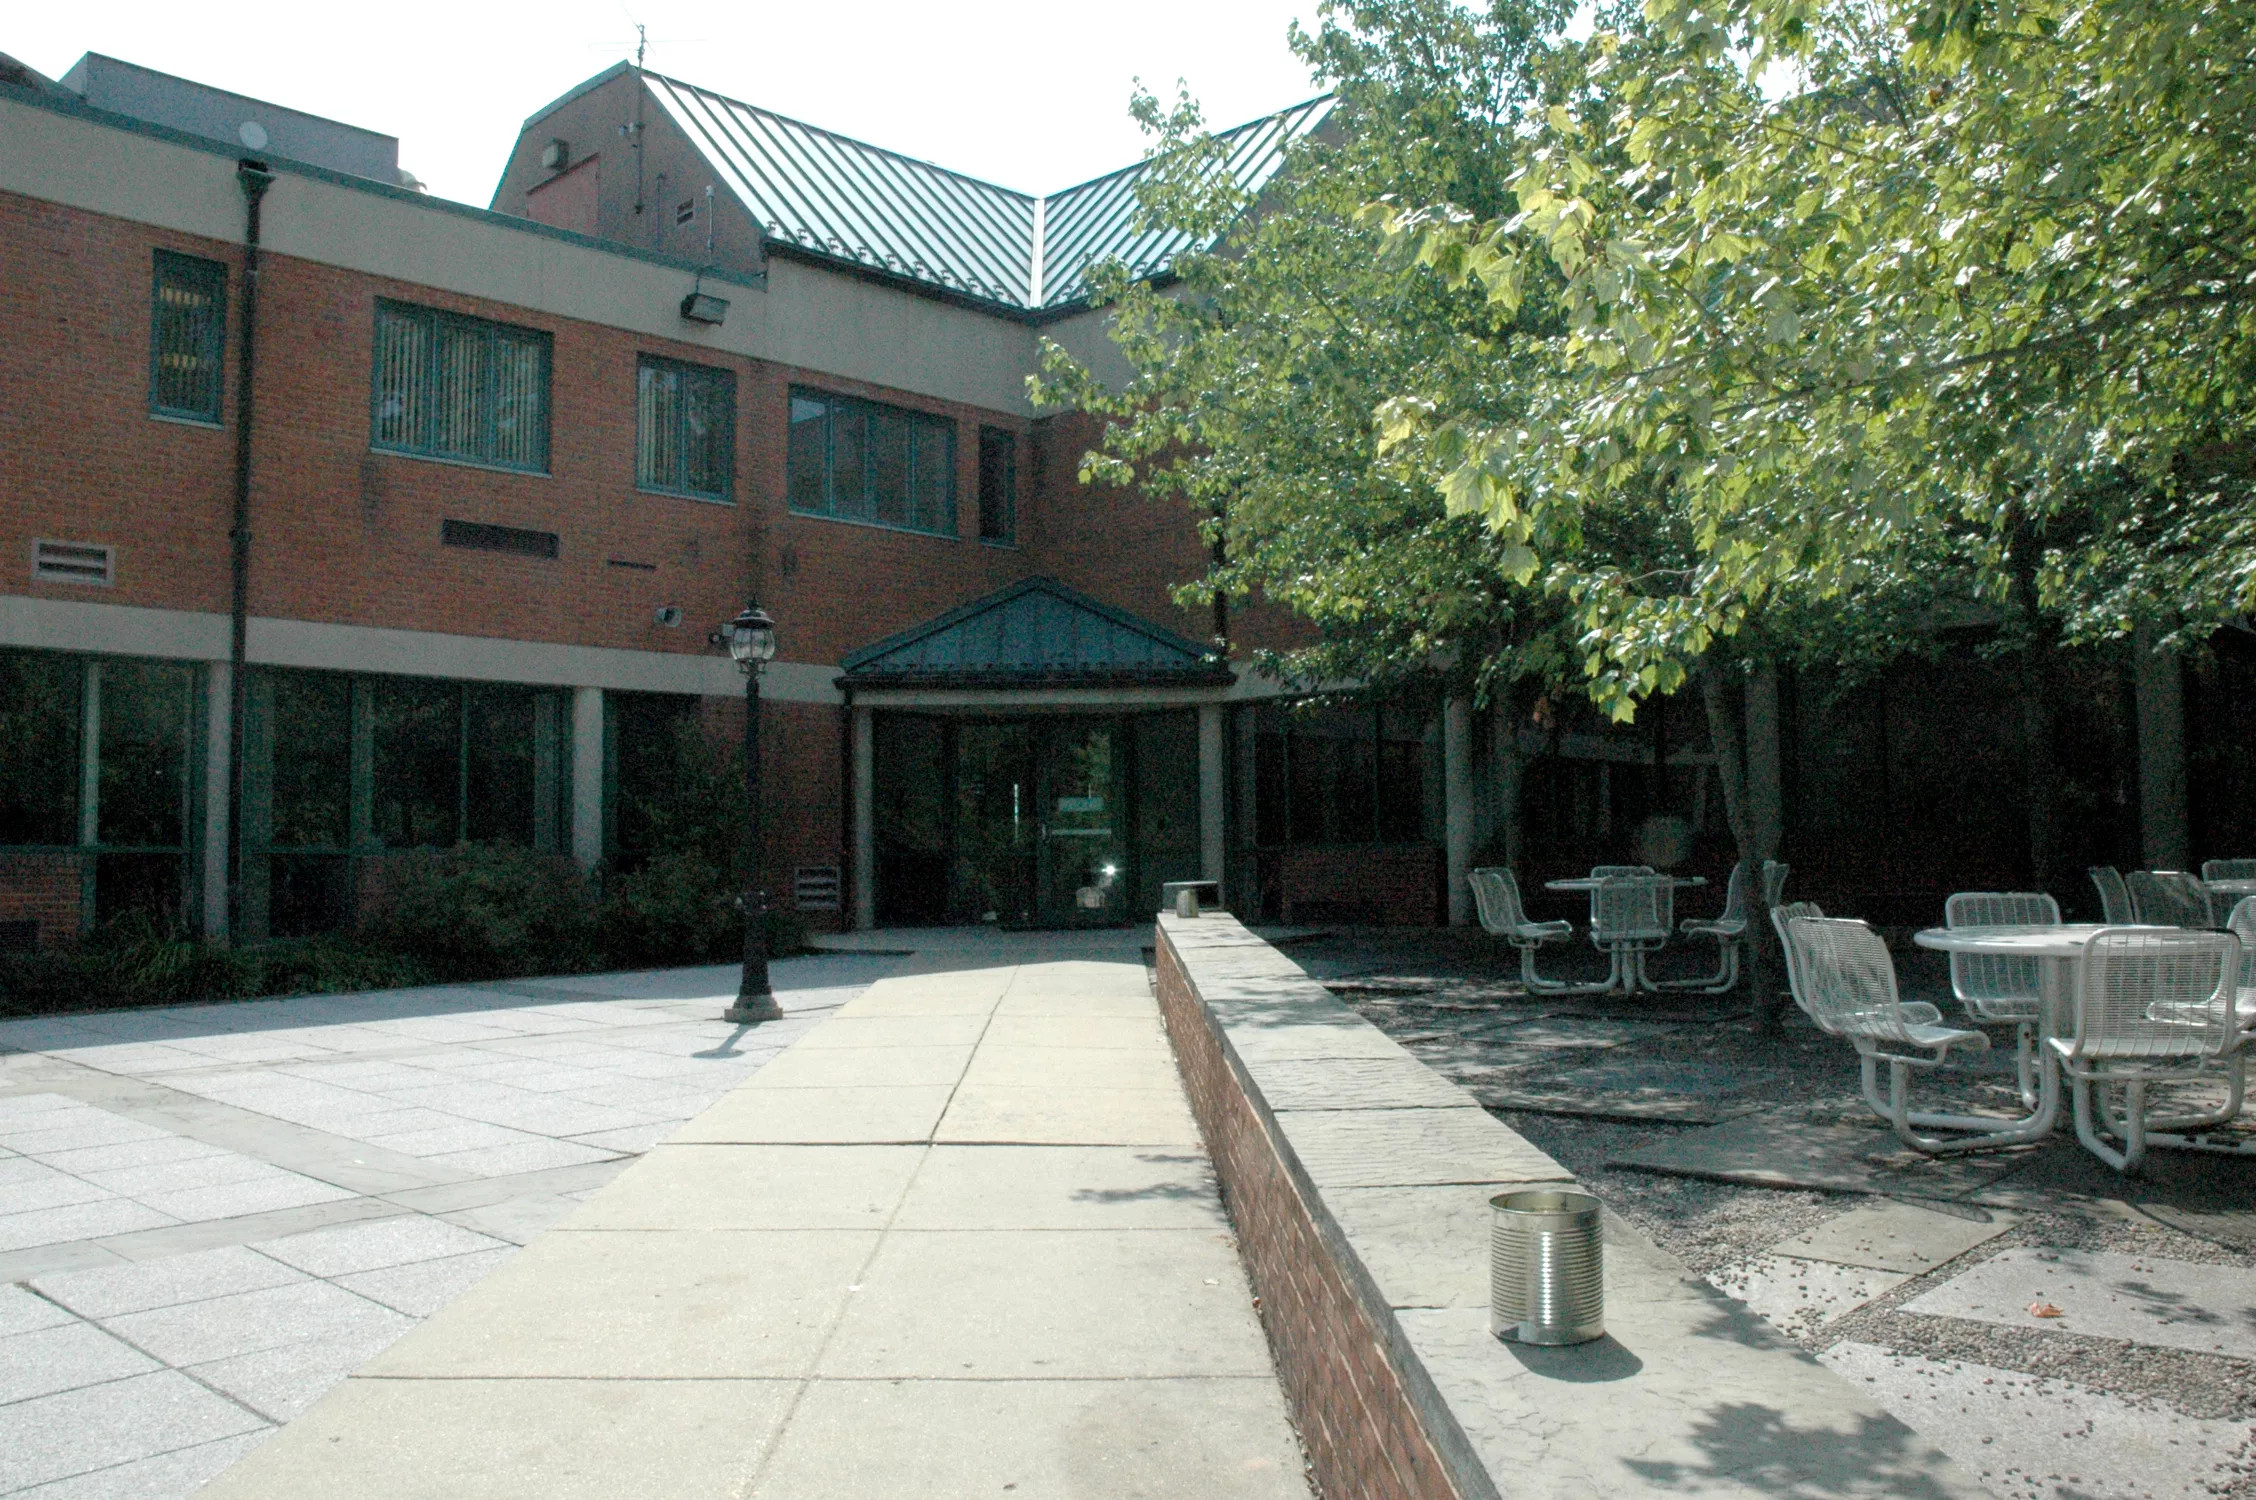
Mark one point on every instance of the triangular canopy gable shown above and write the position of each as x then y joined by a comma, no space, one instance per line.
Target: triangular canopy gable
1038,633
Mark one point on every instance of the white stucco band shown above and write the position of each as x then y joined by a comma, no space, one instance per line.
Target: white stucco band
189,635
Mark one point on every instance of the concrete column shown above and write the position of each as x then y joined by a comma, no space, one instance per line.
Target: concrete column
1766,781
218,705
865,818
2165,838
1213,793
1457,804
587,777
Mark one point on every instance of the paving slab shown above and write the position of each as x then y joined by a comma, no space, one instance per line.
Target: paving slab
164,1477
2143,1299
519,1440
869,1067
1798,1296
374,1245
1068,1116
1890,1236
1208,1439
634,1304
64,1358
1046,1304
839,1115
1395,1147
2029,1438
1012,1065
77,1432
1357,1083
1063,1187
756,1187
111,1291
1134,1032
1767,1151
915,1030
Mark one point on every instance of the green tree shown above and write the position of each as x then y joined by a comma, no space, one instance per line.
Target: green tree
1840,277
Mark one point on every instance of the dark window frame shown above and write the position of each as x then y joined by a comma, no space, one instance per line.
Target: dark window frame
998,486
708,380
484,452
208,277
868,511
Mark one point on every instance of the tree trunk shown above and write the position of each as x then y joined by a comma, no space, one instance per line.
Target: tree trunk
1764,1010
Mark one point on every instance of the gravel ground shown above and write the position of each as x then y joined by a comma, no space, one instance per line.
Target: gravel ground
1447,997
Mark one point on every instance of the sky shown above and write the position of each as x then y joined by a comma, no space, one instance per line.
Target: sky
1032,94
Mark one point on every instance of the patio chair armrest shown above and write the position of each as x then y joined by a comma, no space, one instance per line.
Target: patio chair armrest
1544,932
1920,1013
1714,927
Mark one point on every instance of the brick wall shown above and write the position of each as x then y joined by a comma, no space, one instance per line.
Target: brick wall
351,536
42,888
1361,1430
1391,885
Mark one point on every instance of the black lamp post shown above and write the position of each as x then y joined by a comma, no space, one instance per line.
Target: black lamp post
750,639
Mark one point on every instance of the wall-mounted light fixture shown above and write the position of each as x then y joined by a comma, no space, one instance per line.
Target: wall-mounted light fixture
704,307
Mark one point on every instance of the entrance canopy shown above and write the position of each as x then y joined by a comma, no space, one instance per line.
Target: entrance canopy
1035,634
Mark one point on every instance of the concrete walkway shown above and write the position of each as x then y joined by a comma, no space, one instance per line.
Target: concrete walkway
960,1239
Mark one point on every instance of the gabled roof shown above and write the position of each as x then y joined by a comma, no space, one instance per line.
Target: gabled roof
1035,633
841,199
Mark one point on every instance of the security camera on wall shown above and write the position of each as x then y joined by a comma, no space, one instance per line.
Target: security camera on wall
668,615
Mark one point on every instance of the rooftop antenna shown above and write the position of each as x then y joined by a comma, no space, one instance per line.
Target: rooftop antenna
642,43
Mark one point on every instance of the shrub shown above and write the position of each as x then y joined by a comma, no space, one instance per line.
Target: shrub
481,911
676,909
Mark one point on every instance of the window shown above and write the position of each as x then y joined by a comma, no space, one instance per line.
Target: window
998,485
478,536
41,714
460,388
864,461
685,429
1339,774
187,337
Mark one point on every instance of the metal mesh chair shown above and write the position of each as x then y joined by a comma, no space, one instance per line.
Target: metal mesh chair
2242,925
2169,898
1729,929
2150,1007
1774,881
1496,892
1630,916
2000,990
2114,896
2228,869
1848,983
1779,917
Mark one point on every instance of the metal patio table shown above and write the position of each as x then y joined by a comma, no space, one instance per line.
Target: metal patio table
2058,952
1628,974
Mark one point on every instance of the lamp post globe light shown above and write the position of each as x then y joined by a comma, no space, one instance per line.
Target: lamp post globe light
750,639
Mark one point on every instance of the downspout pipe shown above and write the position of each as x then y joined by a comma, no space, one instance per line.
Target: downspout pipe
254,178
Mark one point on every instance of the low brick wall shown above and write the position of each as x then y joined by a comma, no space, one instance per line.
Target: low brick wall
1365,1438
1359,1182
42,888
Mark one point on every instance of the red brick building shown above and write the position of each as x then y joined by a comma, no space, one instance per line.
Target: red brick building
504,472
505,469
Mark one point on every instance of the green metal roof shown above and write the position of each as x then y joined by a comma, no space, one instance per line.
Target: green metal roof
839,199
1035,633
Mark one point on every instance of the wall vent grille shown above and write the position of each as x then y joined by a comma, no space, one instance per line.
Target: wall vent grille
480,537
73,562
815,887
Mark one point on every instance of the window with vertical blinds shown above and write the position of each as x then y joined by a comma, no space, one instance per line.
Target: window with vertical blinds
858,460
685,429
187,337
460,388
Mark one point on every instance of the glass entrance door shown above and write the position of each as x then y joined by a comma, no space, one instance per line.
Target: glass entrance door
1082,876
998,818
